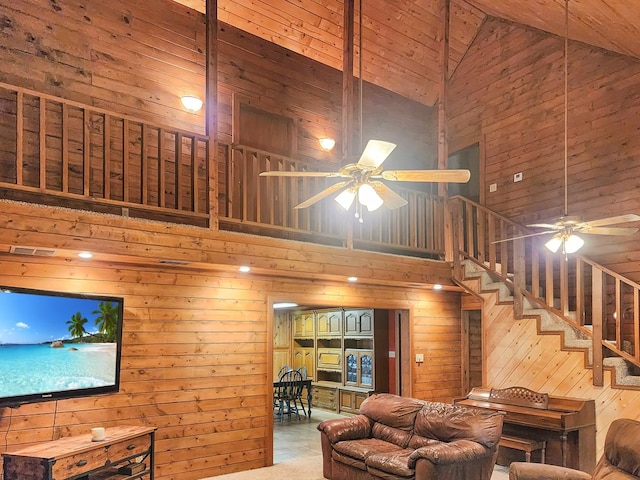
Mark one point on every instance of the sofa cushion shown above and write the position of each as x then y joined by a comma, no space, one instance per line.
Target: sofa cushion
364,448
446,423
390,434
392,410
416,441
348,461
395,463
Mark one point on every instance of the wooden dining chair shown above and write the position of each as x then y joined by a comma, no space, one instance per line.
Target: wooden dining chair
286,392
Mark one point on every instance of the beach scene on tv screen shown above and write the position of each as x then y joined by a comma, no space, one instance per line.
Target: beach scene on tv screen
56,344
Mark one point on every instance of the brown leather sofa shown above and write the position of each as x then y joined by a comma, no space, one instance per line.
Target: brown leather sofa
620,460
399,438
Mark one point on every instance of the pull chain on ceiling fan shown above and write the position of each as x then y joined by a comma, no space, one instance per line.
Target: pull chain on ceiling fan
362,183
567,227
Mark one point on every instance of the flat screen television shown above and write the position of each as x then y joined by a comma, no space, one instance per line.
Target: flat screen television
57,345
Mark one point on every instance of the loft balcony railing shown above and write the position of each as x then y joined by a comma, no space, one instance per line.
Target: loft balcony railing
64,153
252,203
600,303
58,152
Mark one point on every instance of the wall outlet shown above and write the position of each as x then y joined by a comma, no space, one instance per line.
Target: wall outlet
419,357
517,177
493,187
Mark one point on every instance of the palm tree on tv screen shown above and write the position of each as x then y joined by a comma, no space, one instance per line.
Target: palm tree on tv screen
76,325
107,320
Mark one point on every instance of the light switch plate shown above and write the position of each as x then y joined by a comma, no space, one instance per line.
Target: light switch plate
517,177
419,357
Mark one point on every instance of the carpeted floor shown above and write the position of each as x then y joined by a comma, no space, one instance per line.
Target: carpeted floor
309,469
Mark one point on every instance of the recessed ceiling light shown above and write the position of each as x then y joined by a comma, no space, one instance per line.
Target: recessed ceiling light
85,255
245,269
437,286
285,305
353,279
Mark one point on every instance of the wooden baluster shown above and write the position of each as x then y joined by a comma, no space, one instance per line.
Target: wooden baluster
564,287
480,238
548,280
535,269
597,296
618,313
86,154
19,137
177,155
492,237
162,169
43,144
470,209
65,148
504,250
636,325
579,292
193,159
126,167
518,277
106,157
144,167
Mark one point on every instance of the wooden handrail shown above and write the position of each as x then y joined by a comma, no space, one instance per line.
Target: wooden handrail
603,305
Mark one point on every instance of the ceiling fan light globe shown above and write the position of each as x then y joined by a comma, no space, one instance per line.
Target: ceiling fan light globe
573,243
345,198
554,243
368,197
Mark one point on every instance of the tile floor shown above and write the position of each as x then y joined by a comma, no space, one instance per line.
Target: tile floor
294,439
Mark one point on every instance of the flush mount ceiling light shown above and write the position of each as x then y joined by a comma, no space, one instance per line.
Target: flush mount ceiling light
352,279
191,103
245,269
437,286
85,255
327,143
284,305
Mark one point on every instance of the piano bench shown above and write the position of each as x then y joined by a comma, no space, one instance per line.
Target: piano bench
526,445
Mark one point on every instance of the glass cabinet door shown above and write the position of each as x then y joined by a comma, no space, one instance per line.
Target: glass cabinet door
351,369
366,370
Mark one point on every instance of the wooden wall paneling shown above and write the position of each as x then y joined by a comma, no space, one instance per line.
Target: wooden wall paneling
516,99
195,357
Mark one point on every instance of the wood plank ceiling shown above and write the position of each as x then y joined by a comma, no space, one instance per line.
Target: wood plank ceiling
401,37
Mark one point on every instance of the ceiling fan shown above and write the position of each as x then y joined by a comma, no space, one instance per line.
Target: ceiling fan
566,227
363,179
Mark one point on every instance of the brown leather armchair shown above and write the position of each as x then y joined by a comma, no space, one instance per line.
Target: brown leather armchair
620,461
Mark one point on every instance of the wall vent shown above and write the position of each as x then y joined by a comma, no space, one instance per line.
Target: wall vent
32,251
174,262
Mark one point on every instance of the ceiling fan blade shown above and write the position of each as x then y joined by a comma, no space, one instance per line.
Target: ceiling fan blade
629,217
454,176
390,198
609,230
324,193
375,153
282,173
545,225
523,236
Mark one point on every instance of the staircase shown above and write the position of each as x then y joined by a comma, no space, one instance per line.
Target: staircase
562,295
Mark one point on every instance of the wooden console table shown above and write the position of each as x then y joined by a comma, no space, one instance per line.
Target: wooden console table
78,458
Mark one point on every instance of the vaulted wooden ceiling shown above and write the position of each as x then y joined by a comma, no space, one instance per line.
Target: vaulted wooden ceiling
400,39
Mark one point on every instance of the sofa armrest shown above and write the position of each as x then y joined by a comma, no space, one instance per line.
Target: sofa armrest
348,428
535,471
457,451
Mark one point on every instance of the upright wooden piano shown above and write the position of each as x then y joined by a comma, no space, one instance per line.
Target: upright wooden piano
567,424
